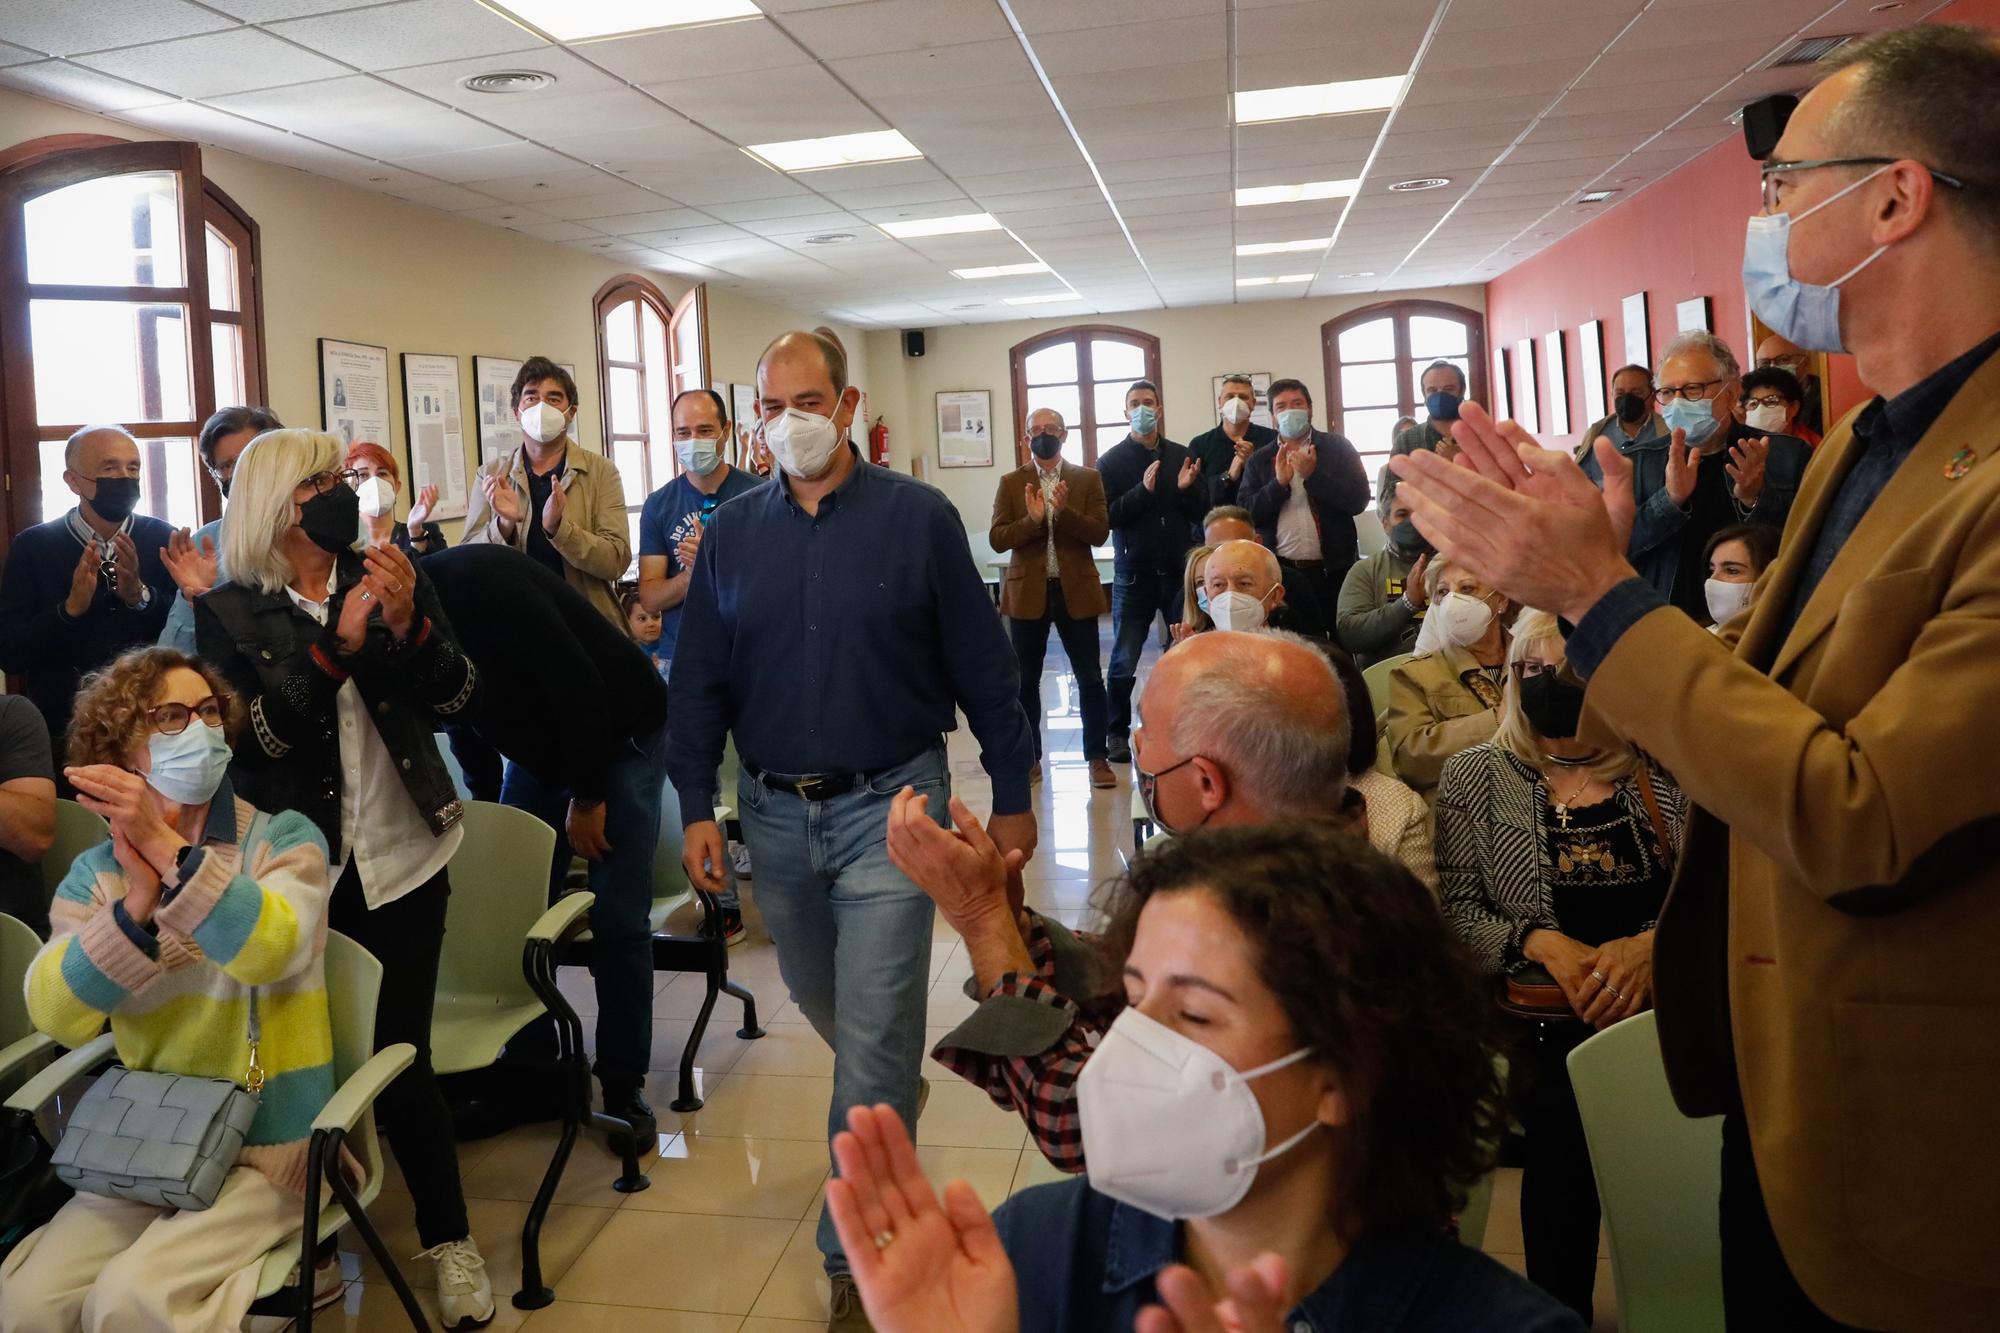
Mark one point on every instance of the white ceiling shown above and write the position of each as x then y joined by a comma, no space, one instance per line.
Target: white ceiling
1098,131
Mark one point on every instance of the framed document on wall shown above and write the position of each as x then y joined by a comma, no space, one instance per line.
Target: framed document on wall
492,387
434,431
1638,333
1558,368
965,428
1525,410
1590,366
1694,313
1501,405
354,391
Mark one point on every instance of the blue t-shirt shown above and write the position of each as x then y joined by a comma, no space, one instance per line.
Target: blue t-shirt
670,514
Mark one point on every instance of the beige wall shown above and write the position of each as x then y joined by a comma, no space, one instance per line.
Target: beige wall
343,262
1196,344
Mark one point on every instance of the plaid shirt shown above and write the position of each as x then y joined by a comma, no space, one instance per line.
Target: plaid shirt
1005,1047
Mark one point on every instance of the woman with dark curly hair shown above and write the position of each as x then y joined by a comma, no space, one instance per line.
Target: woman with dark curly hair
1283,1119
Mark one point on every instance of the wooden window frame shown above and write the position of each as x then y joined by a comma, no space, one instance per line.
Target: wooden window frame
1081,335
1400,312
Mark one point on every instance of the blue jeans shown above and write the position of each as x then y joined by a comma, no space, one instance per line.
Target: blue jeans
1136,597
853,934
620,920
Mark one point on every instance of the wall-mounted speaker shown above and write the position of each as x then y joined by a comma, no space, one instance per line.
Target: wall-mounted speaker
1764,123
913,342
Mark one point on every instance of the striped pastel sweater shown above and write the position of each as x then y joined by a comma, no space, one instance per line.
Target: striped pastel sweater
250,911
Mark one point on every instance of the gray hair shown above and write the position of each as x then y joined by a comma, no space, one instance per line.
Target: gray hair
1701,340
1386,501
260,502
1277,742
1052,412
73,447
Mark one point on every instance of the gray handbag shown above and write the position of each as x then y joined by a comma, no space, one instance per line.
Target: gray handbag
162,1139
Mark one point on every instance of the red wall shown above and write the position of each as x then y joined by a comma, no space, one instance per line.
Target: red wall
1677,239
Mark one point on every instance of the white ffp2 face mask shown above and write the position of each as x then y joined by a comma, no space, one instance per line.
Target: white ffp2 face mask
1726,601
1235,411
377,497
802,443
1770,419
1236,610
1168,1125
543,424
1464,618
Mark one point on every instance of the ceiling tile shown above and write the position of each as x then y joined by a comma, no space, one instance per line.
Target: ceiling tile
534,187
451,198
1151,45
805,224
442,80
17,55
896,25
402,137
469,164
219,62
412,32
609,198
742,47
814,104
266,11
655,220
548,119
66,27
74,85
940,69
317,108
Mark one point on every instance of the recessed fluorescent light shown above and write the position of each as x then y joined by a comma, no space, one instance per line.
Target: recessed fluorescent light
1043,299
951,226
581,20
1000,270
1595,196
840,150
1293,194
1266,282
1318,99
1284,247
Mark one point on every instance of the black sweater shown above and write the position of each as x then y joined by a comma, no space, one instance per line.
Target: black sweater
51,652
563,691
1150,530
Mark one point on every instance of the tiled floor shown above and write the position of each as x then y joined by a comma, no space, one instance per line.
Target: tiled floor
722,1242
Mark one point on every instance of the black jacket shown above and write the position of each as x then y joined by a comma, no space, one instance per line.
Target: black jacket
1150,529
1217,451
288,670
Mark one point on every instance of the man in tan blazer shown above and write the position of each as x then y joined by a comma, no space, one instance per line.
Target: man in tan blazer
1825,961
558,501
1050,514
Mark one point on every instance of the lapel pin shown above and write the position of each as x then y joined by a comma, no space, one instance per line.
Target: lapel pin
1960,464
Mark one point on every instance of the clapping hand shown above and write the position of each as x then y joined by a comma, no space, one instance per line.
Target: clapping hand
83,581
1152,474
965,873
1255,1303
1682,468
141,839
1060,495
499,492
125,557
1305,457
192,565
420,512
689,547
391,582
922,1266
1284,465
1037,511
552,508
1190,472
1746,469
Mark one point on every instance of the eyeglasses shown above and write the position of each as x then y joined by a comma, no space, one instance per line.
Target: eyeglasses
172,719
326,481
1765,401
1697,392
1772,188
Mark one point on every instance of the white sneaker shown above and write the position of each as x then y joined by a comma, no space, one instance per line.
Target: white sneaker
464,1296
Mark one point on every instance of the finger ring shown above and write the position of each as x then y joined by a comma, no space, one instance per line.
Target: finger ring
367,596
1619,994
883,1238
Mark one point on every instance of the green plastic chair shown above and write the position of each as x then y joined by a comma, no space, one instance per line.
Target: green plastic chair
285,1283
77,831
1659,1178
497,975
22,1049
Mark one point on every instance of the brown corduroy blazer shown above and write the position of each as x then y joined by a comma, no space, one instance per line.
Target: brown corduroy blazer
1084,521
1827,956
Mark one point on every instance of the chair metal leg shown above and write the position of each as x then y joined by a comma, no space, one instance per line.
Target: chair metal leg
309,1236
688,1101
330,1165
750,1031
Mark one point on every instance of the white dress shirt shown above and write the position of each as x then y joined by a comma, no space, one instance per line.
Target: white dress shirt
381,830
1049,481
1298,533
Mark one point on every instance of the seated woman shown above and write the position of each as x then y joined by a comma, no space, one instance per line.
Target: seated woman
376,480
1194,597
1557,855
1399,821
196,901
1284,1117
1737,557
1447,697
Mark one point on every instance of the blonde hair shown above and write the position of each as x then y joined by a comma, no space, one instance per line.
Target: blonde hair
1191,613
1532,629
260,502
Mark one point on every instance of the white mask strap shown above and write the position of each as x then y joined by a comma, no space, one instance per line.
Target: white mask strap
1275,1065
1845,190
1286,1146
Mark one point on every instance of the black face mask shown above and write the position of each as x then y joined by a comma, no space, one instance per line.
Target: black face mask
1551,705
1045,445
116,498
1408,542
1631,407
332,519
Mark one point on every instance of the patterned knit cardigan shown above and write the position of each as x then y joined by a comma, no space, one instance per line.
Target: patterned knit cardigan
250,911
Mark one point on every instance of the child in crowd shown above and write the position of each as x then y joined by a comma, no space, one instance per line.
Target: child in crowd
645,628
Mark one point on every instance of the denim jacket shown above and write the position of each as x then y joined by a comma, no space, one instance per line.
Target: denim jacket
1085,1264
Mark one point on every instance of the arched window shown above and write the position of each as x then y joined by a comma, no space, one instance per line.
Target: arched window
129,295
1081,372
647,353
1375,358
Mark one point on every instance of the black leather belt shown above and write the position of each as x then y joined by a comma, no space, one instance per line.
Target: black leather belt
809,786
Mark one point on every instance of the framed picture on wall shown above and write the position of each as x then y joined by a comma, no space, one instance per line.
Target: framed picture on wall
1558,367
1590,365
354,391
743,412
1501,398
965,428
492,387
434,431
1638,333
1526,410
1260,383
1694,313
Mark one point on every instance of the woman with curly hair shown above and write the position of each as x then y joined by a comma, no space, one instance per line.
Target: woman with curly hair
1279,1125
197,902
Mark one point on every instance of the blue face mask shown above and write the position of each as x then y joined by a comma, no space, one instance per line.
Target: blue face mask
188,766
1805,313
697,455
1201,599
1442,405
1294,422
1145,420
1697,419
